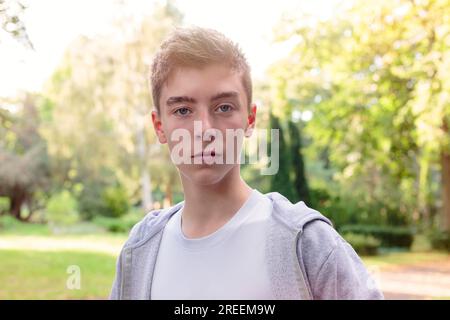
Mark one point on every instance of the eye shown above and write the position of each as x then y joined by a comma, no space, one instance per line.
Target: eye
225,107
182,111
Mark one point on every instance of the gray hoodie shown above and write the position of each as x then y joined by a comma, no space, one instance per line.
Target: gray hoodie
307,258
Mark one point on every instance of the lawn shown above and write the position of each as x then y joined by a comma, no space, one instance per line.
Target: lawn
28,274
34,263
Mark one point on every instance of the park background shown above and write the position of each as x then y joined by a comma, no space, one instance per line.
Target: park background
360,91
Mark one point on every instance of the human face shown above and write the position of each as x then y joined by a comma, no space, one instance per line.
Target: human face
214,98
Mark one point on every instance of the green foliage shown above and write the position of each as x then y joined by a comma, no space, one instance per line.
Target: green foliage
345,209
440,240
116,201
62,208
340,212
8,222
99,198
95,112
365,245
121,224
4,204
377,88
298,167
281,181
115,225
178,197
24,159
389,236
90,200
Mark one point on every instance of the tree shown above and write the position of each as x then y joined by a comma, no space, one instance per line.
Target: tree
100,131
132,74
281,181
11,21
375,76
24,169
300,182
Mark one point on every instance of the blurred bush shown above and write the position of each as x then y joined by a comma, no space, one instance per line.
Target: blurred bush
121,224
4,204
62,209
363,244
390,236
440,240
108,201
90,200
116,201
343,210
8,222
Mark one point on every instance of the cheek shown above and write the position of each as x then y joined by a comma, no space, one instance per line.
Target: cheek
234,138
171,127
180,135
236,121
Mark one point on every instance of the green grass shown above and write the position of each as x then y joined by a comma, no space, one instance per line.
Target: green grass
9,225
40,274
43,275
34,260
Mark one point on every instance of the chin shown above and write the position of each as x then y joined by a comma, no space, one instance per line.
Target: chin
205,175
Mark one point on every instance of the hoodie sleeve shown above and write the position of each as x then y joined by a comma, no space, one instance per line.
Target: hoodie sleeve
116,290
333,268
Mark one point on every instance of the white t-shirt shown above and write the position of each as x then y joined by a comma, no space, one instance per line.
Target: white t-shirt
227,264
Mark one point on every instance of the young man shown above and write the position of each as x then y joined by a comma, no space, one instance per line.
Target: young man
225,240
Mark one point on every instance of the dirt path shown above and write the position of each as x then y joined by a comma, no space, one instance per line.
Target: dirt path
417,281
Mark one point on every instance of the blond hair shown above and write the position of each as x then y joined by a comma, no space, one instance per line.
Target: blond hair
197,47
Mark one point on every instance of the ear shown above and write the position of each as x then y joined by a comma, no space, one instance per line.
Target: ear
251,121
157,125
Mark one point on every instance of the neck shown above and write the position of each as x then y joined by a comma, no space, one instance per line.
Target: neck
208,207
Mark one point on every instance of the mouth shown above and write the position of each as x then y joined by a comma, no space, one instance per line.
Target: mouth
206,154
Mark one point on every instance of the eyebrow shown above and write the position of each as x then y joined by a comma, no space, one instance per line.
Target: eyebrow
226,94
180,99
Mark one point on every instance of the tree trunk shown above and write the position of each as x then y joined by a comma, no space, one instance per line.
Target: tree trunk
146,196
16,201
422,203
147,201
445,163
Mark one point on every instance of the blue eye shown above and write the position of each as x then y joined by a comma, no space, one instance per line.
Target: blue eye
182,111
225,108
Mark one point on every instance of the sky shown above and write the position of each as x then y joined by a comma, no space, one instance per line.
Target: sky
53,24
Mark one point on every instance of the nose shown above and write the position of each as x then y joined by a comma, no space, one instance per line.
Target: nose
208,132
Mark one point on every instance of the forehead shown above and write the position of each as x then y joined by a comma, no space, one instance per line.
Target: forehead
202,82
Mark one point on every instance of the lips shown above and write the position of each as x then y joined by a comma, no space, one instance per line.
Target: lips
204,154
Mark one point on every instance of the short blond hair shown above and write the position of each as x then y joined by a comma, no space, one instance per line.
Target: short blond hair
197,47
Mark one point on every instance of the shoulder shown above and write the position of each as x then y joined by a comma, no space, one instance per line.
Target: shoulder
319,236
151,223
317,243
141,228
334,270
332,267
295,216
